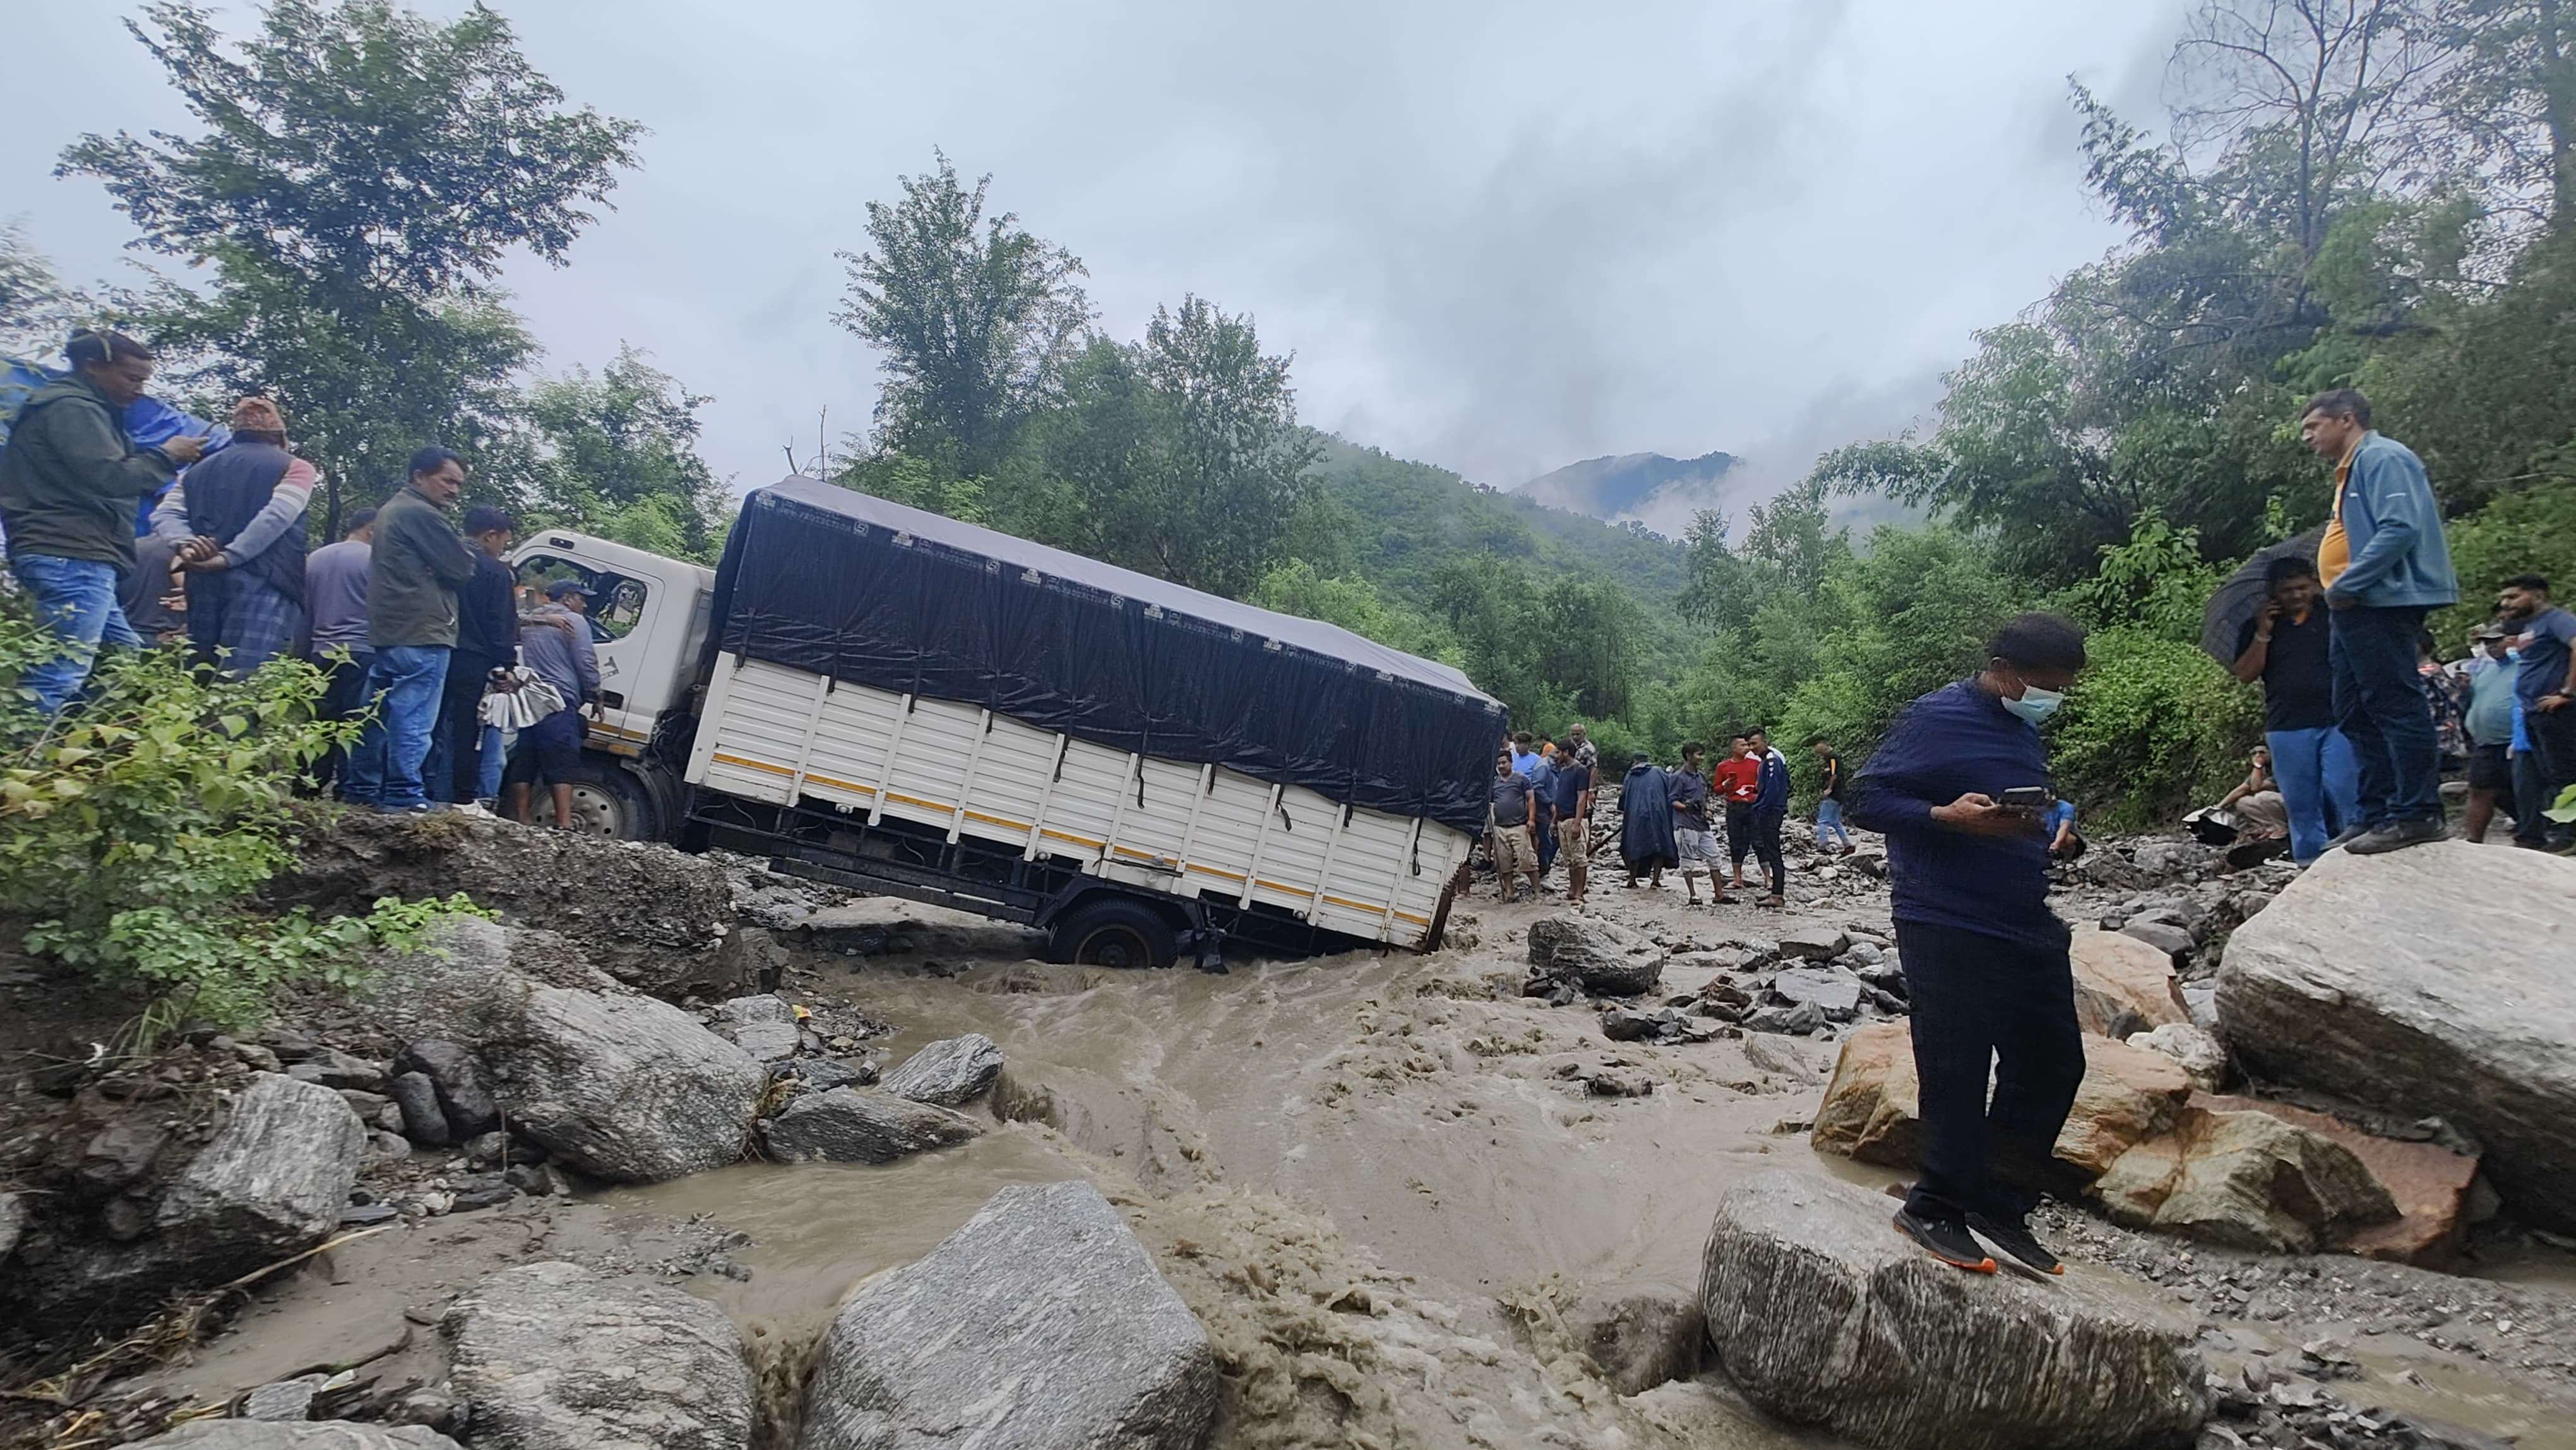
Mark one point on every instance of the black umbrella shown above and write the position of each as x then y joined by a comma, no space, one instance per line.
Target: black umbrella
2242,596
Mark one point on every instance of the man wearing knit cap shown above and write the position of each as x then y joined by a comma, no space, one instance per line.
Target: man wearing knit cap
237,518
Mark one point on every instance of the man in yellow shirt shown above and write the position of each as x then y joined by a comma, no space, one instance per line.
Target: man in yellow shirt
2384,566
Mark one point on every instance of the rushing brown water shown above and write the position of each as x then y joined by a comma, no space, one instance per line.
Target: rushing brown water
1372,1178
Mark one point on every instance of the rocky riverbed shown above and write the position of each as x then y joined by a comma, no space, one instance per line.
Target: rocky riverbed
1454,1200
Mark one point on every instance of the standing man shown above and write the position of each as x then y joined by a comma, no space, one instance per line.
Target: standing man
2285,645
1691,838
1646,821
335,597
1770,813
1586,754
1829,806
487,638
2384,565
1739,785
2490,725
558,648
1507,820
1574,823
237,521
70,481
2544,644
1985,960
1524,753
418,564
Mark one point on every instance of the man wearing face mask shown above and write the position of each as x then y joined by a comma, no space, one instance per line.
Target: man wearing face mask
1985,960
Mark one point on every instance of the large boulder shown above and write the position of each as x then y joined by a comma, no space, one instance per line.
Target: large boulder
270,1184
2432,1186
2123,985
655,918
1872,1110
861,1125
948,1072
310,1435
1605,957
1041,1324
555,1357
762,1025
2246,1179
1823,1314
2432,980
625,1088
619,1086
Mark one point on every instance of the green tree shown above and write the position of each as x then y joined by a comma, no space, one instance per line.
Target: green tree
361,176
615,454
977,318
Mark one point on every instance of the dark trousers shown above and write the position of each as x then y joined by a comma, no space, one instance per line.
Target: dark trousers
1983,1001
454,771
2552,769
344,694
2380,707
1543,825
1757,834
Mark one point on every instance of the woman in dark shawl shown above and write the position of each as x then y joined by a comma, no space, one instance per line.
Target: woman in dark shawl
1646,822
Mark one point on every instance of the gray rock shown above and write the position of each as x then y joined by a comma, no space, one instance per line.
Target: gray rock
1814,943
2164,936
1867,953
1639,1336
284,1401
1832,991
1606,958
2202,1059
384,1147
1797,1020
555,1357
2431,980
1823,1315
464,1096
764,1026
270,1184
861,1125
625,1088
333,1068
819,1074
13,1222
948,1072
1040,1325
422,1120
120,1153
1621,1024
318,1435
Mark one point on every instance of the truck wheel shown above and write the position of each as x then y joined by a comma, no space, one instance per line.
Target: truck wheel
1113,933
606,801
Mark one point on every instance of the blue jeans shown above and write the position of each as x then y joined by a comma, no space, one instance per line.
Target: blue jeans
2320,784
384,771
79,598
1829,818
487,785
2379,704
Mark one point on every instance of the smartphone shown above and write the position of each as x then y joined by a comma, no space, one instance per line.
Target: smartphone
2029,798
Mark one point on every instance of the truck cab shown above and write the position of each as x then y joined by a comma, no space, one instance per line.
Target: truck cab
648,623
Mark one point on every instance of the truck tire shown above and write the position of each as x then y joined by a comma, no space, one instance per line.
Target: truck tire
1113,932
607,801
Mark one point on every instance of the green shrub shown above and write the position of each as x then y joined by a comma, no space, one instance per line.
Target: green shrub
136,829
2152,728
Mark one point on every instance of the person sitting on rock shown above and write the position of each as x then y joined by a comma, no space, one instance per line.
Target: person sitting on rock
1985,960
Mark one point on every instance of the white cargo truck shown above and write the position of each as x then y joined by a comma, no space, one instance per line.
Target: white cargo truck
890,700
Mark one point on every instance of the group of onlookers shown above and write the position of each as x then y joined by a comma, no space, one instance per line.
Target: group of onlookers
413,621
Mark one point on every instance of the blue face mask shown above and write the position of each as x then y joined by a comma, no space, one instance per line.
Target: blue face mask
2035,703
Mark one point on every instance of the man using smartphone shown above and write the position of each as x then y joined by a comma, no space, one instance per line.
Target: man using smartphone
1960,789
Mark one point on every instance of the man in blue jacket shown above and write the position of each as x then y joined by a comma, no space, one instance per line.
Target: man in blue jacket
1985,960
2384,566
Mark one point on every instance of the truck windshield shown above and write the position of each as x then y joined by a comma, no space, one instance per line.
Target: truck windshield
617,602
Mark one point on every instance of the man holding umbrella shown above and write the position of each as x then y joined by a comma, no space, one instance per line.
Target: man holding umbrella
2284,644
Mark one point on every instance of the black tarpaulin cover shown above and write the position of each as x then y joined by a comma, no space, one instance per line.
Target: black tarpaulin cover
821,578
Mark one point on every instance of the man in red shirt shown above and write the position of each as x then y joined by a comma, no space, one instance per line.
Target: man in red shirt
1738,782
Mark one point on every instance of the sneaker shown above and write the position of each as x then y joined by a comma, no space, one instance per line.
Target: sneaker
2398,835
1948,1240
2017,1242
2346,839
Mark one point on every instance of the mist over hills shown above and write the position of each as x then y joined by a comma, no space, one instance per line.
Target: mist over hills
1662,492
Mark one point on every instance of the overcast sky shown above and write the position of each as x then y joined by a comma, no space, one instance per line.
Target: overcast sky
1500,236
